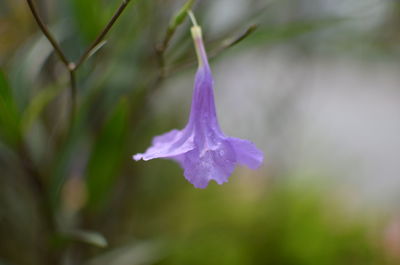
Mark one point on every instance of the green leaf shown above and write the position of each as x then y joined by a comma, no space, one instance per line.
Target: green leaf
29,61
90,17
9,115
36,106
106,155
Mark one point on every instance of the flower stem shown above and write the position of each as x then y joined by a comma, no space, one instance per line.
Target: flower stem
192,18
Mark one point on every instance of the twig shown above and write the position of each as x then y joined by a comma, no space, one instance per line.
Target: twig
47,33
103,33
72,79
71,66
241,37
35,177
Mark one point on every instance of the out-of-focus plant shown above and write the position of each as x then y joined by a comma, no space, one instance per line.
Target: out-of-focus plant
69,122
71,66
55,167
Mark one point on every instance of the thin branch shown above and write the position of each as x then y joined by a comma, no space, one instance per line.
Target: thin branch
104,32
69,65
28,165
47,33
72,67
232,42
73,94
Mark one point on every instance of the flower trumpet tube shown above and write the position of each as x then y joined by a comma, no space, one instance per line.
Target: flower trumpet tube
201,148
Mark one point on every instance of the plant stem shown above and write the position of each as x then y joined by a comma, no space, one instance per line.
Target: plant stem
35,177
103,33
239,38
73,91
71,66
47,33
225,45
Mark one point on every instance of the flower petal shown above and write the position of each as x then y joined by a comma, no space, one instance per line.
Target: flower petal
201,148
217,164
166,137
167,145
247,153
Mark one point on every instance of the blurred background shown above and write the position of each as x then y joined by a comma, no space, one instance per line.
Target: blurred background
316,87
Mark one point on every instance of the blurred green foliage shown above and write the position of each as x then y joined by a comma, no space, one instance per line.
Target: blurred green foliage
9,117
281,226
110,140
109,210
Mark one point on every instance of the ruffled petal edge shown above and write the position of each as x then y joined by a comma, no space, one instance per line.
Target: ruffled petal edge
247,153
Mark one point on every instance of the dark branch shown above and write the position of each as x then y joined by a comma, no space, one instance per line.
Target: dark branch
47,33
103,33
73,95
230,43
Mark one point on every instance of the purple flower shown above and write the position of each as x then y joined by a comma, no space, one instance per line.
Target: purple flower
201,148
